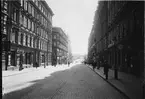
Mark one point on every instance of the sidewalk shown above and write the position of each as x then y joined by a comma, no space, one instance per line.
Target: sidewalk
26,70
127,84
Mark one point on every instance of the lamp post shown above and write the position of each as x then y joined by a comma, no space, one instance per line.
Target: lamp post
115,67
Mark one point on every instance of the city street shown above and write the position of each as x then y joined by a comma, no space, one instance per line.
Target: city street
74,82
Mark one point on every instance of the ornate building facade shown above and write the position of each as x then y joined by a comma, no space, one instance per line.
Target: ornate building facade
29,33
118,31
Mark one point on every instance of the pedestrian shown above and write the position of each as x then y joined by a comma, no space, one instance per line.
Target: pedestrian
106,68
94,65
36,64
21,66
68,64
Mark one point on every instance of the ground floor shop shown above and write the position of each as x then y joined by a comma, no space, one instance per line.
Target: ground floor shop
127,59
24,57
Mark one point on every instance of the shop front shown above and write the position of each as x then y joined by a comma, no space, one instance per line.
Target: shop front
43,59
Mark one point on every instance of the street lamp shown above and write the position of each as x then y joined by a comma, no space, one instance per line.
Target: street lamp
115,67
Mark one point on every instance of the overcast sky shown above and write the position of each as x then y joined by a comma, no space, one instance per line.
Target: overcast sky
75,17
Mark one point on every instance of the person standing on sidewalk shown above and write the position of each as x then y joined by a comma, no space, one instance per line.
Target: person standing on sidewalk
36,64
68,64
106,69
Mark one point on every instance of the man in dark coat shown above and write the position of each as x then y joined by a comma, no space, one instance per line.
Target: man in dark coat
94,64
106,68
68,63
36,64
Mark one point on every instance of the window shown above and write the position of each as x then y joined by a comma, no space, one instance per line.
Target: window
29,23
28,40
32,40
32,11
24,39
37,30
22,2
38,16
25,4
13,36
4,30
29,7
14,14
41,32
54,36
20,18
36,43
54,43
21,38
24,21
32,26
39,6
39,44
36,2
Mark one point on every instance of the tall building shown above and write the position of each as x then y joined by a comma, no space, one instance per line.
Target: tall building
4,26
118,30
98,38
59,46
29,30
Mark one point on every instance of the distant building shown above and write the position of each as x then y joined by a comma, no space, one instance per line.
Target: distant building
117,35
28,33
59,46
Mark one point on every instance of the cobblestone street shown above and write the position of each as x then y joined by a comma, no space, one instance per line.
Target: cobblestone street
76,82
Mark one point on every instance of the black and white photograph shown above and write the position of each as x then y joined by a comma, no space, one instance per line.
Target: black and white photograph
73,49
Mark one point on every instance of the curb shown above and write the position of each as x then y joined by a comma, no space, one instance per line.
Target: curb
111,84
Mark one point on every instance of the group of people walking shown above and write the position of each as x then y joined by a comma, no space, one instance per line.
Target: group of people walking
105,66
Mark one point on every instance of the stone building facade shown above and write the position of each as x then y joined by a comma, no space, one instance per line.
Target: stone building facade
59,46
29,28
117,36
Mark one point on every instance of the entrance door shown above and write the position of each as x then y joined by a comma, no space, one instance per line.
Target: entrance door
13,58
